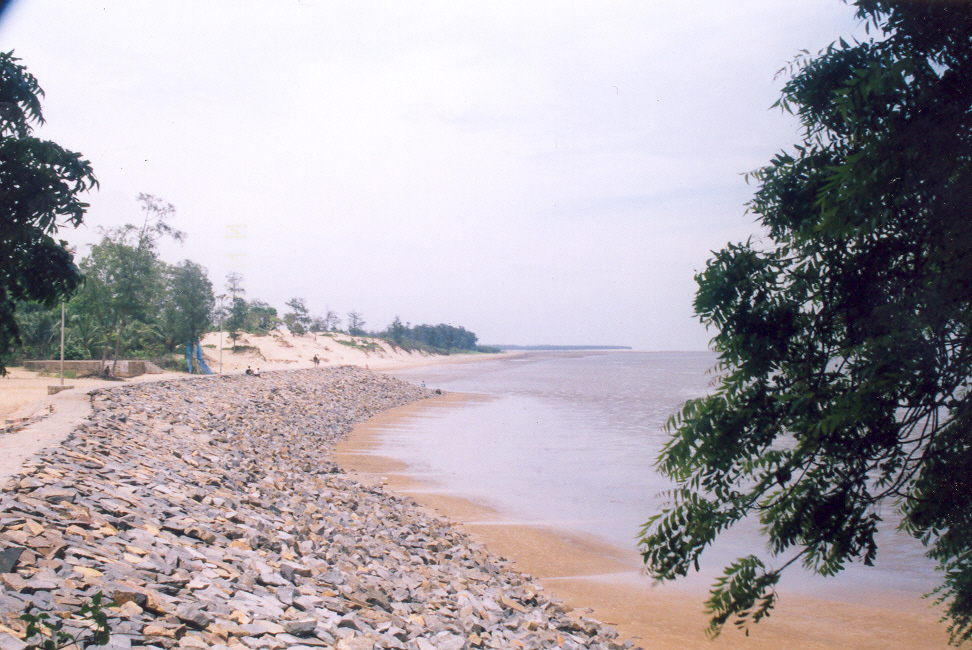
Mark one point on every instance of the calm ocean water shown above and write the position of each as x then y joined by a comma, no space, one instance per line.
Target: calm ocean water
569,439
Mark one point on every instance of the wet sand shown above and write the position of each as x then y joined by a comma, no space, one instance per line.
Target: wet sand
589,574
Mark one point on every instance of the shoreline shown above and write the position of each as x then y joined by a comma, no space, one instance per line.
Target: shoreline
587,573
212,513
31,419
600,587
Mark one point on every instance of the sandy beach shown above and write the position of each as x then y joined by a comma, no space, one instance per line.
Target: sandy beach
24,398
211,512
589,574
24,393
580,571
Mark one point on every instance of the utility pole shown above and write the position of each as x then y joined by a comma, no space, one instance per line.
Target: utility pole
54,390
62,343
221,298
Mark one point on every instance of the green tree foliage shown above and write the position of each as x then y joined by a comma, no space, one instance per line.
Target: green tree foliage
192,302
234,285
356,324
441,338
239,310
239,315
845,337
331,321
263,317
255,317
125,282
130,300
40,329
298,318
39,187
327,323
397,332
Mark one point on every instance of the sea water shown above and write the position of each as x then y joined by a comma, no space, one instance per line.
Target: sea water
570,439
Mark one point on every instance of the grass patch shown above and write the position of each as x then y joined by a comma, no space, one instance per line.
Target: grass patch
368,347
68,374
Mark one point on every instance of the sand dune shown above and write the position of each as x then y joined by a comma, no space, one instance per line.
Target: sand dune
23,393
281,350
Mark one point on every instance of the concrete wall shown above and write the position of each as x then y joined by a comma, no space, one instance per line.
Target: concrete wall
123,368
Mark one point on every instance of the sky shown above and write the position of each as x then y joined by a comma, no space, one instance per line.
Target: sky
536,172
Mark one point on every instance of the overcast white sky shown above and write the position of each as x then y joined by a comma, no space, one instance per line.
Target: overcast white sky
538,172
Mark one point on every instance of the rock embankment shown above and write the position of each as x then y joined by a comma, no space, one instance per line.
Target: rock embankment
210,512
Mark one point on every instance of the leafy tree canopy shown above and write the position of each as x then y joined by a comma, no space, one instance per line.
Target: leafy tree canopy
192,301
356,324
298,318
441,338
125,283
844,336
39,187
264,316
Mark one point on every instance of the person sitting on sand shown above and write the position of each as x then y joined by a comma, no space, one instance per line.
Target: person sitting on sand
249,370
256,373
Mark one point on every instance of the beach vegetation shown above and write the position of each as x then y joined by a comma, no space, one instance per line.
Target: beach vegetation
234,285
330,322
47,632
39,330
125,288
844,333
42,184
252,317
298,319
190,304
365,345
239,314
356,324
131,302
263,317
430,339
246,348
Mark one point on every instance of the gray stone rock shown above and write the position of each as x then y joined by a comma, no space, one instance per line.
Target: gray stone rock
300,627
286,594
10,642
212,511
194,616
9,557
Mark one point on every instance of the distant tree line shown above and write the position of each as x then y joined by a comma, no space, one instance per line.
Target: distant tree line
120,300
258,318
131,304
440,338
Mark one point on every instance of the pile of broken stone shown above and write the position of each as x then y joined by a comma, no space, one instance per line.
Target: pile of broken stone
210,515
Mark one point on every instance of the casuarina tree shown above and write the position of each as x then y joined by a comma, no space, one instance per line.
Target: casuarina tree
844,333
192,301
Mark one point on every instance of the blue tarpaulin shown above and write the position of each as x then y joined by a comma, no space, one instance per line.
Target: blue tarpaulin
195,348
